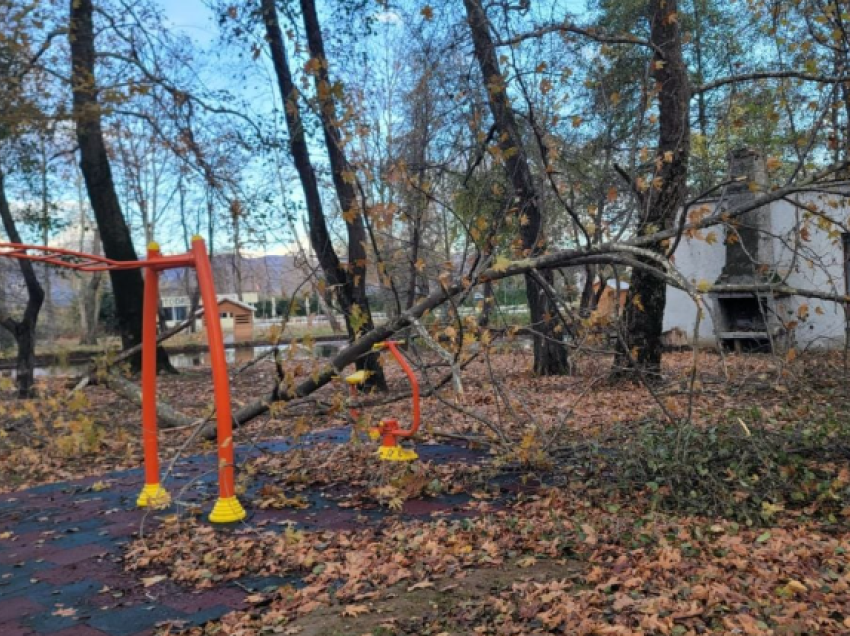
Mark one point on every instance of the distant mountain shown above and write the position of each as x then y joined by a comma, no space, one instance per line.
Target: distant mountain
273,275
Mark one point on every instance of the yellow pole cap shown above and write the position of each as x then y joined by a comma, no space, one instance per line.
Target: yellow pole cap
153,246
227,510
153,496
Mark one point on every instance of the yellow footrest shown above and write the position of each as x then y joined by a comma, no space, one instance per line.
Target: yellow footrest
396,454
358,377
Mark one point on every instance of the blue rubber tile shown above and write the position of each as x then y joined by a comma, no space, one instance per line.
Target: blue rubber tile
133,620
269,583
24,569
48,622
77,539
69,595
24,586
207,615
48,489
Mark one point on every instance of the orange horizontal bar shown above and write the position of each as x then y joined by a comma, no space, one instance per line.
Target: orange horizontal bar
90,262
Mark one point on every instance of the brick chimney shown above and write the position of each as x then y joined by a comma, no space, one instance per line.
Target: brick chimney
746,257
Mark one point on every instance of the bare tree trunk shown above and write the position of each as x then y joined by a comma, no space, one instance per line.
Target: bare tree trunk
550,352
644,313
343,179
127,285
344,284
90,300
23,330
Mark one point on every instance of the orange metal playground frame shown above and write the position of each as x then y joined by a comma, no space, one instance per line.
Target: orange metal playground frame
227,508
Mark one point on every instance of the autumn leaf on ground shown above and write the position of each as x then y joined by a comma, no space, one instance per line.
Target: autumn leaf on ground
150,581
65,611
420,586
590,538
355,610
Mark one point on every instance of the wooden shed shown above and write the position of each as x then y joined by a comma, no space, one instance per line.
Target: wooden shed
236,317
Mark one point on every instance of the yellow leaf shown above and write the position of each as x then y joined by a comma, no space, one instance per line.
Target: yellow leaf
150,581
796,587
711,238
791,355
703,285
501,265
638,302
772,163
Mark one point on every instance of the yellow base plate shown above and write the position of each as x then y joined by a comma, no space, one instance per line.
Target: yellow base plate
396,454
153,496
227,510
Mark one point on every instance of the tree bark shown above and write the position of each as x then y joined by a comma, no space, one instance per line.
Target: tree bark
640,348
349,286
127,285
343,179
23,330
550,351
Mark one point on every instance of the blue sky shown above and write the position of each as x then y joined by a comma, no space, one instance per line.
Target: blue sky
192,17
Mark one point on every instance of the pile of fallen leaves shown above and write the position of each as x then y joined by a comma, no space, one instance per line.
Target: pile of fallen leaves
634,572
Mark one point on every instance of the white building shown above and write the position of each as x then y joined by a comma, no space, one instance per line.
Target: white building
798,242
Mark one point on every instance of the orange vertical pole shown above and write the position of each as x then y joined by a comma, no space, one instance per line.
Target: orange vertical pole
153,494
227,509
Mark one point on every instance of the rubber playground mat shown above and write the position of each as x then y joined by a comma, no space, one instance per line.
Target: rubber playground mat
61,570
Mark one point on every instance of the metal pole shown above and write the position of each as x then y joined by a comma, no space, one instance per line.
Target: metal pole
227,509
153,494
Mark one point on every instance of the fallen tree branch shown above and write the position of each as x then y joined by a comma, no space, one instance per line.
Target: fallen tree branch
167,416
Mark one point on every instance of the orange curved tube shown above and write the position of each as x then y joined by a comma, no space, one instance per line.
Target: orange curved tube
414,387
221,382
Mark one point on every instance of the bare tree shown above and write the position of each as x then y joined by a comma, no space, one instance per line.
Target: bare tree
550,351
23,330
127,285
